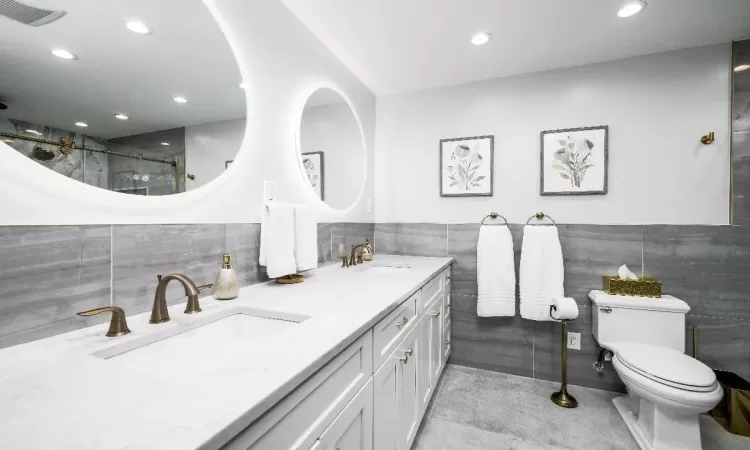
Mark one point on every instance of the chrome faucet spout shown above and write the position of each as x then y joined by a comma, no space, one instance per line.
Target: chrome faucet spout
159,312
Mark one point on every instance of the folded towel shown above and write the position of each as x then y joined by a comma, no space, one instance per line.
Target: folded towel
565,308
277,240
305,238
496,275
542,273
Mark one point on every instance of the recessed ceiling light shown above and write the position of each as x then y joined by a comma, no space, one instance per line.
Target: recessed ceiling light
64,54
179,99
34,132
136,26
165,143
121,116
481,38
742,67
631,8
82,124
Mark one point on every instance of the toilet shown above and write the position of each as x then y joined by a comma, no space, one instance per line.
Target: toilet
667,390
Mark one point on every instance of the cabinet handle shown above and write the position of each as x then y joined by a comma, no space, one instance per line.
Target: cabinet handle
409,352
447,342
404,359
403,322
434,312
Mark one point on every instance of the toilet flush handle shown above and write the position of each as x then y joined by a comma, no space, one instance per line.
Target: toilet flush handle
606,310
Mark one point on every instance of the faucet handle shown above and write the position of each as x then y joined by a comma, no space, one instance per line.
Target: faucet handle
204,287
118,325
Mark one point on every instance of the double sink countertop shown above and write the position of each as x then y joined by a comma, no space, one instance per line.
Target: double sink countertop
200,388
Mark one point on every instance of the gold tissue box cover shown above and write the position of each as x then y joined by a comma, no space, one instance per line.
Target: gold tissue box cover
642,287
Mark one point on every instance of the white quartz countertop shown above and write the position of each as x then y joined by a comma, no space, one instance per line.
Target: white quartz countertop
54,394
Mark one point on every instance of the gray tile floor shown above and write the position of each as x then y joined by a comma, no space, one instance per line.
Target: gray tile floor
475,409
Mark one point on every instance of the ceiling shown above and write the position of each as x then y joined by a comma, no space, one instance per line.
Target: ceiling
397,46
118,70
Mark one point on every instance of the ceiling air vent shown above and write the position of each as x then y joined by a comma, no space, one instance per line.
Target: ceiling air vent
28,15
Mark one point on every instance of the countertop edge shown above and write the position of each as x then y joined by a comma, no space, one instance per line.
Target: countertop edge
256,412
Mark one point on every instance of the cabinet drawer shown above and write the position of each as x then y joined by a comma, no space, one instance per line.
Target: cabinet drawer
390,331
430,291
297,421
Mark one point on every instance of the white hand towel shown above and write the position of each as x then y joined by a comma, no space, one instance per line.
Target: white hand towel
565,308
542,274
305,238
277,240
496,275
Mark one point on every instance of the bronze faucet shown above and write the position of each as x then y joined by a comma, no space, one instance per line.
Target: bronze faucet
159,312
118,326
366,247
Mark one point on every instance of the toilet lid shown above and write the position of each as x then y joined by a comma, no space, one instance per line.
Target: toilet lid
668,367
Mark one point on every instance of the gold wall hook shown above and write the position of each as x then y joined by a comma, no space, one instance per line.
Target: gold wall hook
708,139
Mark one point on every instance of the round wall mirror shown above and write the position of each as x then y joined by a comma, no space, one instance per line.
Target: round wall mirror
332,149
141,97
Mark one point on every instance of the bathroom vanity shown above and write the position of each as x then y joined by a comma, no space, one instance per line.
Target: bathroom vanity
349,359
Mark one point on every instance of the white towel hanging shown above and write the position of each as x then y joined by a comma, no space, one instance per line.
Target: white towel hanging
542,273
496,275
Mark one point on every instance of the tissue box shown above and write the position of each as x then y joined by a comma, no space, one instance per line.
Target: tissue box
642,287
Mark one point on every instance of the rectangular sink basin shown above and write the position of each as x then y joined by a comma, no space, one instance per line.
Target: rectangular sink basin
200,346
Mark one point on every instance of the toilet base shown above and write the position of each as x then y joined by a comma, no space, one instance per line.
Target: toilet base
654,429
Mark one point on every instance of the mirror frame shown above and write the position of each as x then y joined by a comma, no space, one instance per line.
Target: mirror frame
305,97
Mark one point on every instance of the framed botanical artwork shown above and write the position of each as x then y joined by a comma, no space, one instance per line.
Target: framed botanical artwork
228,163
467,166
574,161
315,170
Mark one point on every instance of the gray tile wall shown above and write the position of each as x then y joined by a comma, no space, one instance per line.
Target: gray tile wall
47,274
741,137
707,266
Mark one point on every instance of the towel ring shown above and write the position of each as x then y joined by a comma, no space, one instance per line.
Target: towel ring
494,216
540,216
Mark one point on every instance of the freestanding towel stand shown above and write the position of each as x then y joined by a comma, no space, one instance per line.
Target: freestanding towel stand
562,398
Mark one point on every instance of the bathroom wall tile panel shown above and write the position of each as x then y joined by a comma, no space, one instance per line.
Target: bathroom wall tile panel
590,251
723,344
48,274
547,354
242,241
411,239
325,233
706,266
502,344
143,251
351,233
462,246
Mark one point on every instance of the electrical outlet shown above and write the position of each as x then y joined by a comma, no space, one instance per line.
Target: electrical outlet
269,190
369,205
574,341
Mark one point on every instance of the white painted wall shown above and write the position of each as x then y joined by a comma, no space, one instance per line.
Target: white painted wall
657,107
283,63
333,130
207,148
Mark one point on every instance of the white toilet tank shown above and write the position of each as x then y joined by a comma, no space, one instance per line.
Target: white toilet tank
622,319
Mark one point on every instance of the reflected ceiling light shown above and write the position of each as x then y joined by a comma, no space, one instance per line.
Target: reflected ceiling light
742,67
82,124
631,8
121,116
165,143
64,54
481,38
34,132
244,85
179,99
136,26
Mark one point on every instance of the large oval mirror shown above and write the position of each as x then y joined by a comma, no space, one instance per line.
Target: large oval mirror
141,97
332,149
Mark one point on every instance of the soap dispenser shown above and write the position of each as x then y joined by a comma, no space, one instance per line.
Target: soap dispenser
226,286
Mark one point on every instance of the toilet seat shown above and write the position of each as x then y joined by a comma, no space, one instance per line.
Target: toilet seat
667,367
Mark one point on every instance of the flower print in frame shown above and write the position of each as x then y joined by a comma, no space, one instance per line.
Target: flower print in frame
312,163
574,161
467,166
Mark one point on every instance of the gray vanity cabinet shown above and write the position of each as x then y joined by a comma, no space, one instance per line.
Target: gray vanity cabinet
352,429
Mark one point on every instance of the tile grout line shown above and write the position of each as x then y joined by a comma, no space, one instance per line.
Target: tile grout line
111,265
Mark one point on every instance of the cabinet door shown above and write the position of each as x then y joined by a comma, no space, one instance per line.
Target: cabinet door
409,412
352,429
447,342
425,386
385,406
435,316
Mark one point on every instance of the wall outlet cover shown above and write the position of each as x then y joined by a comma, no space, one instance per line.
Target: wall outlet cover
574,341
269,191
